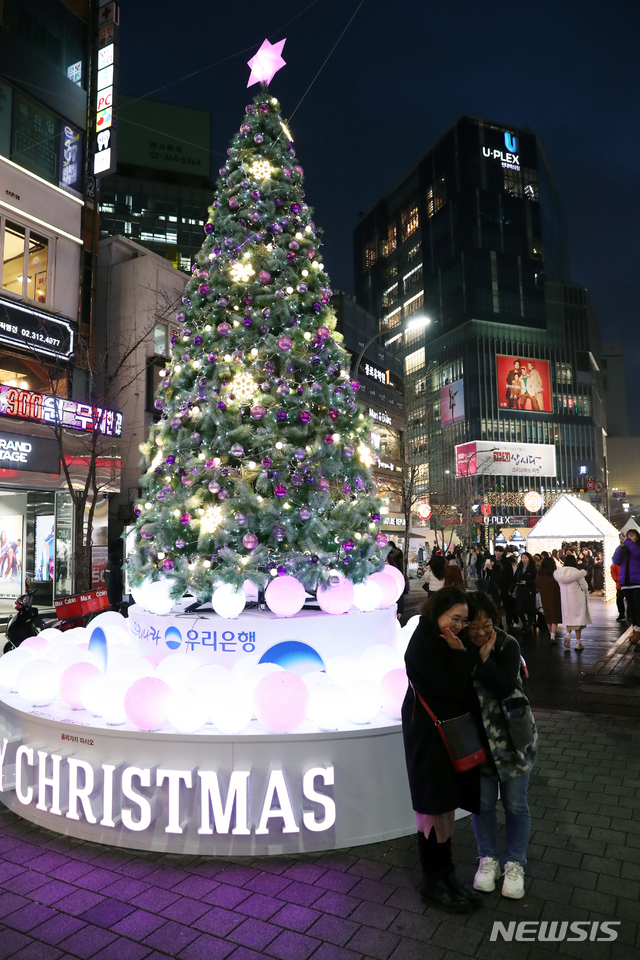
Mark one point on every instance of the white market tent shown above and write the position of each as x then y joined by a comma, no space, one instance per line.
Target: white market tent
572,519
630,525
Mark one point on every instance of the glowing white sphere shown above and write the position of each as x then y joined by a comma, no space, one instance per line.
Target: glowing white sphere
176,669
117,650
116,635
392,571
387,585
38,682
328,707
285,596
252,677
365,701
228,601
367,596
154,595
11,664
78,656
52,634
335,599
393,688
91,694
110,620
243,665
231,710
129,668
60,650
250,590
77,635
378,660
187,711
111,701
317,678
343,671
39,646
208,676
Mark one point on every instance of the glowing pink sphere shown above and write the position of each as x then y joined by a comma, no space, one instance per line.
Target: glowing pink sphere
280,701
285,596
388,586
146,703
336,599
37,645
392,571
394,688
72,681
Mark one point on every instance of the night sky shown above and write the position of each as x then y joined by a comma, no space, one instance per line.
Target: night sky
400,75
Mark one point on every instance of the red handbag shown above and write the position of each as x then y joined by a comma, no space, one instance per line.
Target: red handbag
460,738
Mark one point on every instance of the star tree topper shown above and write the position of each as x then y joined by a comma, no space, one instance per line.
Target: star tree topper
266,63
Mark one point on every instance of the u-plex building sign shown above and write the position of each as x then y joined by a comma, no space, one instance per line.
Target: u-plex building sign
34,454
498,459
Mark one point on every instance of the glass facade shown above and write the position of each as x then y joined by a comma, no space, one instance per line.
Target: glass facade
474,240
167,218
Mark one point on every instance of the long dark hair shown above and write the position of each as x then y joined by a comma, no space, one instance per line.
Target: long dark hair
437,564
441,601
570,560
548,566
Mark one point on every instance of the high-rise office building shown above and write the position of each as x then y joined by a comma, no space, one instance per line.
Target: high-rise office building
508,368
161,191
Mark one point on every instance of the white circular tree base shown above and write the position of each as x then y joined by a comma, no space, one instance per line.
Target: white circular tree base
206,794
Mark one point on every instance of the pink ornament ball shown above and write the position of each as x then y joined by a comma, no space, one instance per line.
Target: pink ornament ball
280,701
392,571
72,681
285,596
146,703
336,599
388,586
393,687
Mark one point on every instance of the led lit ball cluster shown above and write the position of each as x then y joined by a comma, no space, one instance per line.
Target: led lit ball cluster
96,671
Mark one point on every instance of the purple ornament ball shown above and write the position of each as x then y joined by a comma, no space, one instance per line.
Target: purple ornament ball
285,343
250,541
168,564
264,277
224,328
208,228
278,532
304,513
185,519
280,490
381,540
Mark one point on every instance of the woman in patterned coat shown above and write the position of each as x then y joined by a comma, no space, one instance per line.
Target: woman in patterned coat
495,678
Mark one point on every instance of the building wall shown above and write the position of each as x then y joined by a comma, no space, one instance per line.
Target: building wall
138,291
623,461
615,390
473,242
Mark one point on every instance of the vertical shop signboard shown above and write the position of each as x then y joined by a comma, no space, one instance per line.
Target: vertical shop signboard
104,156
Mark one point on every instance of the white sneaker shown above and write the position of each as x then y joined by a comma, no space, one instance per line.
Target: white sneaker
486,875
513,885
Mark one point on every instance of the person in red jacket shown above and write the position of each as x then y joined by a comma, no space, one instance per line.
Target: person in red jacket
615,570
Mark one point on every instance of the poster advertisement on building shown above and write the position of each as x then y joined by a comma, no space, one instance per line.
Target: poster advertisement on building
11,556
497,459
44,547
524,383
452,403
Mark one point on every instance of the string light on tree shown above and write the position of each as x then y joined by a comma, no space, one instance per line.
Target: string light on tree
211,519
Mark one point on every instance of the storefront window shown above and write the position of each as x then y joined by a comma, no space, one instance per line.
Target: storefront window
63,585
33,282
37,272
13,258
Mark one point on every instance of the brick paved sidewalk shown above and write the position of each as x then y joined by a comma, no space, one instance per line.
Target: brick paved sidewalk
62,899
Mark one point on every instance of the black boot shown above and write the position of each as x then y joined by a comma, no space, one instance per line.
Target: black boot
474,898
434,888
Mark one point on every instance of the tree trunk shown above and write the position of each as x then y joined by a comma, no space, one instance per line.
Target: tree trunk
82,556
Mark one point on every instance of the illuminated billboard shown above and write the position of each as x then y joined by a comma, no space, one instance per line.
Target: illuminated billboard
164,136
452,403
524,383
497,459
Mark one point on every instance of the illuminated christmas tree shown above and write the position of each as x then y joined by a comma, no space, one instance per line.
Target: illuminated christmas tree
260,464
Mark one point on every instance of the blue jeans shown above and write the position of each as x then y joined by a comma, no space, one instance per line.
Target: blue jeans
513,793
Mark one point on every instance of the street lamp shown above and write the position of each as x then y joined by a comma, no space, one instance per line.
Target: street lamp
415,324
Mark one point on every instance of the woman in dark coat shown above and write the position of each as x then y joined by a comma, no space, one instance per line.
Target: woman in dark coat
549,592
526,591
440,669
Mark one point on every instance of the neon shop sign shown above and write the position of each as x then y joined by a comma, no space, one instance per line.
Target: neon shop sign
509,158
112,794
42,408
